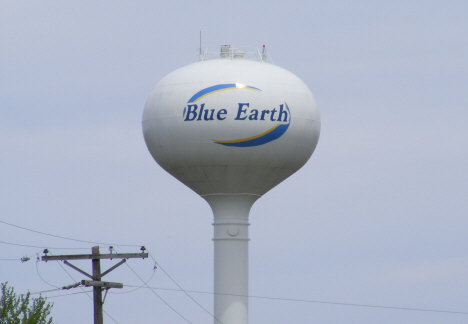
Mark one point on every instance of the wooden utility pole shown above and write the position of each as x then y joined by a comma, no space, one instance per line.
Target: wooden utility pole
97,291
96,282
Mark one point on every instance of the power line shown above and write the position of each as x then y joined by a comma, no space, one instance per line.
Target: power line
73,279
24,258
37,270
40,292
86,292
62,237
318,301
167,304
193,291
142,286
145,284
62,295
75,285
42,247
183,289
76,293
363,305
51,290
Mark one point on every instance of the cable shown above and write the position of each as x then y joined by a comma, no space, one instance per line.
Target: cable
127,292
37,270
40,292
363,305
22,259
159,296
43,247
61,266
87,293
321,302
62,237
145,284
249,296
76,293
31,255
47,291
183,289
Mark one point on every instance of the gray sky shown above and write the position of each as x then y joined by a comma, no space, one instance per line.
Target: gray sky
377,216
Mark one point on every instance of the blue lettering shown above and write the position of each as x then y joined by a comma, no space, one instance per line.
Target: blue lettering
221,112
201,110
263,114
205,117
281,112
253,114
243,111
272,116
190,111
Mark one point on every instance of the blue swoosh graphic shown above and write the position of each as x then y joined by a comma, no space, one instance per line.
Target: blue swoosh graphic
219,87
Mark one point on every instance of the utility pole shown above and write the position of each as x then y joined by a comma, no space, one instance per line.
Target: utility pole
97,291
96,282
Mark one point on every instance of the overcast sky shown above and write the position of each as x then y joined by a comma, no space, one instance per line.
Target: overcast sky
378,216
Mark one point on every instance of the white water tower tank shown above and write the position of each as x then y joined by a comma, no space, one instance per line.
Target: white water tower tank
231,127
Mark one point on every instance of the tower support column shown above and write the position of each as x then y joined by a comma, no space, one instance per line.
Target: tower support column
231,256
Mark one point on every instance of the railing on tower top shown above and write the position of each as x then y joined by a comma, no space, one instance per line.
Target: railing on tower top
233,53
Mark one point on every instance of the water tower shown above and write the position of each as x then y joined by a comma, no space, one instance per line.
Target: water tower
231,127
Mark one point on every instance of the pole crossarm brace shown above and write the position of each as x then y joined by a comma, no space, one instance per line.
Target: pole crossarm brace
95,256
103,284
78,269
112,268
90,276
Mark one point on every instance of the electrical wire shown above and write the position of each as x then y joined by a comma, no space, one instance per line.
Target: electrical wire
192,291
61,266
40,292
47,291
62,237
43,247
86,292
182,288
51,290
37,270
76,293
24,258
159,296
145,284
319,301
142,286
249,296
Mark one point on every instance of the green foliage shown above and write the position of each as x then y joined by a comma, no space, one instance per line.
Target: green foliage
17,310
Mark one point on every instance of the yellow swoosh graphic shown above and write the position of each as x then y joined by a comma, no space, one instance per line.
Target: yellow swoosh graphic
248,138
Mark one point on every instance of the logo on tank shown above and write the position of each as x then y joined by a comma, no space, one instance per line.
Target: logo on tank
244,113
